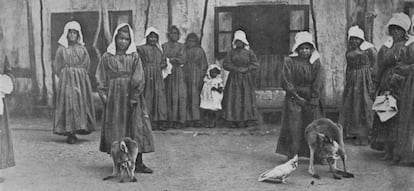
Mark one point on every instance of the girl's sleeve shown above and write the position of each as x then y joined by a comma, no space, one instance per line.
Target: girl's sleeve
8,71
253,60
101,76
86,59
317,84
58,61
228,63
287,83
138,79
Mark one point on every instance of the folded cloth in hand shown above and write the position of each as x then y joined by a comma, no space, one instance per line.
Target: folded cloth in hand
385,106
6,87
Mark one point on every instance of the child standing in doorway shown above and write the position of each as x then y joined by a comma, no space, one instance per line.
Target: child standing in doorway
211,95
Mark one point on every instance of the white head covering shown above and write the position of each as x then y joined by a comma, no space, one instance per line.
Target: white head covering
400,19
355,31
240,35
147,33
301,38
212,66
63,40
112,47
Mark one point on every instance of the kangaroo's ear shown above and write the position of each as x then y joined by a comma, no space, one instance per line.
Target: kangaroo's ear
123,146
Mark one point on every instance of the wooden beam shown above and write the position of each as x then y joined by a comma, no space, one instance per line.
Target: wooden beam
32,57
204,21
170,13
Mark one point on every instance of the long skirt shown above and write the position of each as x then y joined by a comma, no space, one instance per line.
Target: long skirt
121,119
404,145
356,115
154,93
239,101
75,112
176,96
6,145
294,121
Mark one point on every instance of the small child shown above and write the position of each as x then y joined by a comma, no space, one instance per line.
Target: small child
211,95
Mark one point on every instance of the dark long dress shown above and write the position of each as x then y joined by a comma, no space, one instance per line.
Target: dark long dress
304,79
176,90
404,145
121,79
195,70
388,80
356,114
153,60
6,145
239,101
75,111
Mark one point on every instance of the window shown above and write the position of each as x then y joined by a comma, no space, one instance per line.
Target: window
270,29
118,17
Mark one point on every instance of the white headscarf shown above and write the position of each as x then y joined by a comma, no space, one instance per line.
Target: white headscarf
355,31
400,19
112,47
147,33
301,38
63,40
212,66
167,70
240,35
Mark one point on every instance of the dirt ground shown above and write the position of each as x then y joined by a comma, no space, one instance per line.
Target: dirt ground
193,159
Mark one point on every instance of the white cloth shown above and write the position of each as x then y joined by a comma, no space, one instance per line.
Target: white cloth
301,38
355,31
167,70
210,99
112,47
240,35
385,106
400,19
6,87
63,40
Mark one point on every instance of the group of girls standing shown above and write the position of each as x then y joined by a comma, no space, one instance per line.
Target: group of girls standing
371,79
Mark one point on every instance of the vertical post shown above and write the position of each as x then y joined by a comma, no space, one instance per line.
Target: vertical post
32,58
170,13
204,20
314,23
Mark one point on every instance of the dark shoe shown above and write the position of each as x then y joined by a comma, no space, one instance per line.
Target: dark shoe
141,168
71,139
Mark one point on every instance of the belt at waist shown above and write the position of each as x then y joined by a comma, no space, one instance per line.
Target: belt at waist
119,75
74,66
356,67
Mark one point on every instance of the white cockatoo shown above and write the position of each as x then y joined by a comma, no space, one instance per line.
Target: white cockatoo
280,172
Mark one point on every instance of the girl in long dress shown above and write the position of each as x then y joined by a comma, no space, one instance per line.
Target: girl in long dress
390,82
154,62
302,79
404,145
239,100
6,86
195,69
121,83
356,114
176,89
74,111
